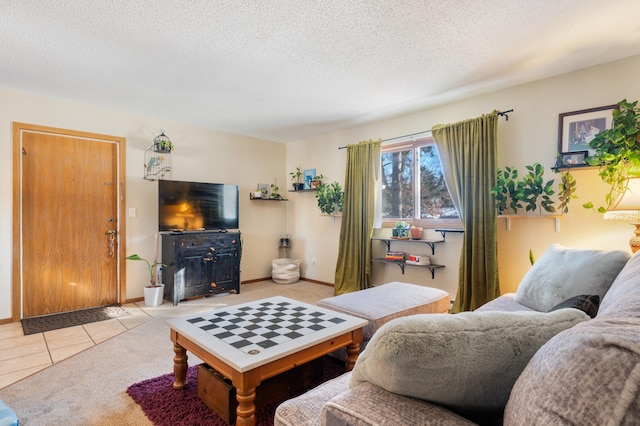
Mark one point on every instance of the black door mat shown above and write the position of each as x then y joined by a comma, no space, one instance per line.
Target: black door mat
69,319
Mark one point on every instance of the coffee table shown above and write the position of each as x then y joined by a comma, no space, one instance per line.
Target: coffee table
251,342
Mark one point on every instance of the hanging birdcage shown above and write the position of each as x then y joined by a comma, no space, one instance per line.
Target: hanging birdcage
157,158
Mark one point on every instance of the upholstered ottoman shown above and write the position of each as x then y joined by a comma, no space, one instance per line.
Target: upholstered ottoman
385,302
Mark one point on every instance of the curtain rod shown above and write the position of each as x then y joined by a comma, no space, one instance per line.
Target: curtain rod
501,113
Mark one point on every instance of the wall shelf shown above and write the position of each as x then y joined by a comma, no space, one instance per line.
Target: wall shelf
430,243
252,198
508,217
402,264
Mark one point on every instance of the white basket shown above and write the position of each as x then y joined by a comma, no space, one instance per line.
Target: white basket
285,271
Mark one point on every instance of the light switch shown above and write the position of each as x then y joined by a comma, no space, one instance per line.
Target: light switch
132,212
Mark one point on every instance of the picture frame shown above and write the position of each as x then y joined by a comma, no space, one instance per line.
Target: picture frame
577,128
264,189
574,159
308,176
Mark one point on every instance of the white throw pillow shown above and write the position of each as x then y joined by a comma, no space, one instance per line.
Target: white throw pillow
561,273
467,362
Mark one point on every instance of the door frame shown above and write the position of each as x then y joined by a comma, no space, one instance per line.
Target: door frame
16,274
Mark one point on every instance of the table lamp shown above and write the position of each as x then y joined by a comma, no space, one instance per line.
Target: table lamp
627,207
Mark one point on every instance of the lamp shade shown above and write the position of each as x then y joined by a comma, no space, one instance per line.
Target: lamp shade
627,205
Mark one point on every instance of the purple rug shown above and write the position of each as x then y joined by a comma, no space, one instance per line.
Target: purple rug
165,406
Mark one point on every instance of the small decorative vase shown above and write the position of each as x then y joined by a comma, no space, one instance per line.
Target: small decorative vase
416,233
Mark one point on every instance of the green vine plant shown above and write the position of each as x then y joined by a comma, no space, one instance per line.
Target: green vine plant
617,151
531,192
330,198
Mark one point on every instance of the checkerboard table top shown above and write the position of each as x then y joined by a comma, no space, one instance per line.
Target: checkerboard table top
251,334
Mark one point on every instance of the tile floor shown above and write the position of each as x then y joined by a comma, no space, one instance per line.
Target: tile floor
22,356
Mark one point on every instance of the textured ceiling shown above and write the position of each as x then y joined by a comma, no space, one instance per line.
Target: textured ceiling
290,69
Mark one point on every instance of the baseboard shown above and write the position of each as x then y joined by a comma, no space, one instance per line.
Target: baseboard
141,299
6,320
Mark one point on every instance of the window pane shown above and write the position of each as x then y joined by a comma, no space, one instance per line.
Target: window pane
435,201
397,184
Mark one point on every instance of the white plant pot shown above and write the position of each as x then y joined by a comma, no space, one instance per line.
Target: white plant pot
153,295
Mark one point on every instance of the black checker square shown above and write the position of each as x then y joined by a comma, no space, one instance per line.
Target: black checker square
264,325
293,335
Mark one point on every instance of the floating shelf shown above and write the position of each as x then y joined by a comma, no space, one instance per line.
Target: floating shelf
508,217
430,243
402,264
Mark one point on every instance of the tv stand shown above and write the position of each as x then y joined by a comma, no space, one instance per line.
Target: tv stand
200,264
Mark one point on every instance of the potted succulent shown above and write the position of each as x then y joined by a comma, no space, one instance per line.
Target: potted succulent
154,291
401,230
296,178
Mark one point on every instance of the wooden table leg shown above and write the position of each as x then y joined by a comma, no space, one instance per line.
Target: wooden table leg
246,411
352,355
179,366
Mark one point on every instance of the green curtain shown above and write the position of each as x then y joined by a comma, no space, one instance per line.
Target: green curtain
468,152
353,268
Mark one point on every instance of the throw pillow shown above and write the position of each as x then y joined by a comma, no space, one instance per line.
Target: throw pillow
587,304
467,362
561,273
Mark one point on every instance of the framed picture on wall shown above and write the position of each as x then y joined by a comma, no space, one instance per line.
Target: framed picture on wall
574,159
577,128
308,175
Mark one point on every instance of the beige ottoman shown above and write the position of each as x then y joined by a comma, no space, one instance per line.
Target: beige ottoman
385,302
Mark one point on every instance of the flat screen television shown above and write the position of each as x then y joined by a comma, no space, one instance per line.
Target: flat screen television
197,206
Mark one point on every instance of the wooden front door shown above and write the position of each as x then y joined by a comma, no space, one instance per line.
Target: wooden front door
70,219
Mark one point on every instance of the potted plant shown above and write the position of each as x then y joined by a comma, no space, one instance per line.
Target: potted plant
330,198
154,291
275,195
316,181
617,151
296,178
401,230
531,192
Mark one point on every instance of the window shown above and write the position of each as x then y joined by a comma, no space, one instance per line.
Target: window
413,187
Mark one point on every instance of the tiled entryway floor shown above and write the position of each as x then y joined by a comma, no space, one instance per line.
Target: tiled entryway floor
22,356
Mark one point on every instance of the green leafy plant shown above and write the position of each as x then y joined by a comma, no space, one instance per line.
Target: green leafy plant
296,177
151,266
401,229
531,192
330,198
617,151
275,194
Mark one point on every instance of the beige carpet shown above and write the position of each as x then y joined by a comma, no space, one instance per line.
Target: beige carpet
90,387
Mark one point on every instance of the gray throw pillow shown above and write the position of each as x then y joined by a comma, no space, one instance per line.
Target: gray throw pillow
467,362
561,273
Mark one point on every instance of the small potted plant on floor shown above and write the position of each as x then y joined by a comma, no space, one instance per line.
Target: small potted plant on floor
154,291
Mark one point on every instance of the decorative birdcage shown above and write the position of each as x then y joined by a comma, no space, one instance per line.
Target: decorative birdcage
157,158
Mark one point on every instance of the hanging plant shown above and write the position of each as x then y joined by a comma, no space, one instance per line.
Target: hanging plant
617,151
330,198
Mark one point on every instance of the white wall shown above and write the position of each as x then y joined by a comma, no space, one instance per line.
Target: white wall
530,135
200,155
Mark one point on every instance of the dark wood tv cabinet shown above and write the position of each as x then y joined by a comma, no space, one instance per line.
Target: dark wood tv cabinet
200,264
